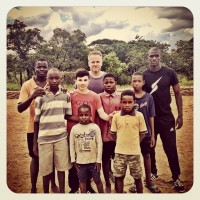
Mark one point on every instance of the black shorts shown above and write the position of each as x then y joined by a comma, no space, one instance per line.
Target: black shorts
108,150
30,137
145,145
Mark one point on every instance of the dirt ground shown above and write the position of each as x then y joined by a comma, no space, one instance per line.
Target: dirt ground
18,161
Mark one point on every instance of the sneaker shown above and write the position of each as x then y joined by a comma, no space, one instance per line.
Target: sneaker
132,188
73,191
178,186
112,178
154,177
90,190
33,190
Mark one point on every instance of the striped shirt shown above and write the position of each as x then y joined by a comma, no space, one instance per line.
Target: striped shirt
50,110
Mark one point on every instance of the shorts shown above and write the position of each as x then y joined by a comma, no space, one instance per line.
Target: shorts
121,161
86,170
108,150
55,153
30,137
145,145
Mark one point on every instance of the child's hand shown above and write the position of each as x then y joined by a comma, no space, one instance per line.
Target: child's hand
98,167
152,144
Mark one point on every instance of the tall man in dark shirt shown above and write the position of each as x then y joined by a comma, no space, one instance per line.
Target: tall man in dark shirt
158,80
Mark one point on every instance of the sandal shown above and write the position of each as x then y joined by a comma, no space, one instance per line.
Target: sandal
153,188
133,188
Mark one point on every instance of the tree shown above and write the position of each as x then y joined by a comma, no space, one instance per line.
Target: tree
22,41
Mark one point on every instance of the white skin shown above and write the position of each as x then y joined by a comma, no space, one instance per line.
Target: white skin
95,63
82,87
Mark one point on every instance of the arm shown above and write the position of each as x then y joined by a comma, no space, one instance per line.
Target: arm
22,106
152,131
99,149
102,114
179,104
142,137
72,118
35,138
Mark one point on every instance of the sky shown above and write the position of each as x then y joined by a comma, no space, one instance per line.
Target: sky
163,24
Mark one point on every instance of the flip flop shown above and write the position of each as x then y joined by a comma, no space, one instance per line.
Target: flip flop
153,188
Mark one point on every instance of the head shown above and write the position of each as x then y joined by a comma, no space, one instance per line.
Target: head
127,101
137,81
95,61
54,79
84,114
110,82
154,58
82,79
41,67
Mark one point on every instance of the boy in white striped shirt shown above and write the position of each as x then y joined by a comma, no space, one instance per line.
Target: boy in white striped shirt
50,136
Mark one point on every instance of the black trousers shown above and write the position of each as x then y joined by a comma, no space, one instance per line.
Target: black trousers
167,132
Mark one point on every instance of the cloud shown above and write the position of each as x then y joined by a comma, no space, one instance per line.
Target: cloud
96,28
37,21
138,27
179,17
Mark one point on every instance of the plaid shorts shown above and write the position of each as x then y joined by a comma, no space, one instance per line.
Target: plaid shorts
121,161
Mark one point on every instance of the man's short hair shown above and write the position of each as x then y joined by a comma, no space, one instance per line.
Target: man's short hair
94,52
40,59
110,75
128,93
52,70
84,106
81,73
138,73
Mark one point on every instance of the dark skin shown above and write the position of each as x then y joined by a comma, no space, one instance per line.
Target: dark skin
53,80
154,65
40,68
84,116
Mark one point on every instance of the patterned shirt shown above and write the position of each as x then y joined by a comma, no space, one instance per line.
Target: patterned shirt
85,144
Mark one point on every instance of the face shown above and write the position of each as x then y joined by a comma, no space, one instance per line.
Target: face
109,85
41,68
154,58
82,83
127,103
54,80
84,115
137,82
95,63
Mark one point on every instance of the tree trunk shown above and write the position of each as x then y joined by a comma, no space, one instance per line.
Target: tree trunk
20,78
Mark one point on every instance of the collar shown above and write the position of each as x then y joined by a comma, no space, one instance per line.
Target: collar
132,113
112,95
48,92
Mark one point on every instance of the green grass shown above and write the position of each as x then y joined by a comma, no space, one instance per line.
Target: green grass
13,87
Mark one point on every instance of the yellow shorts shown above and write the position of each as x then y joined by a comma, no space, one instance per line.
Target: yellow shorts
56,153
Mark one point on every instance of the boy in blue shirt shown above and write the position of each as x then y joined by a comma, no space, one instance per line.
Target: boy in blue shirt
145,104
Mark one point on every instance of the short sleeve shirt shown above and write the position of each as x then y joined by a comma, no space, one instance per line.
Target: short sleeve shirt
158,85
110,103
127,129
26,91
50,110
91,98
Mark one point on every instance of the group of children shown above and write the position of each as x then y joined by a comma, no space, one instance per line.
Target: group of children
121,132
